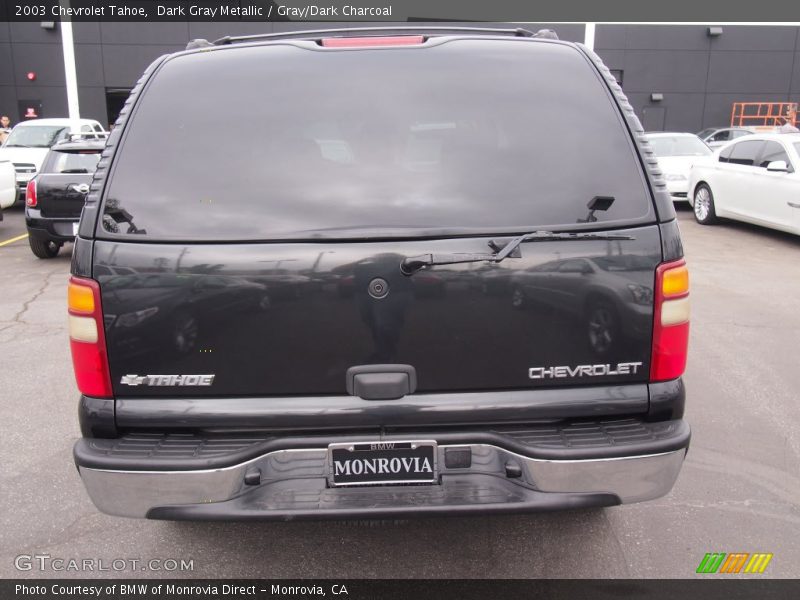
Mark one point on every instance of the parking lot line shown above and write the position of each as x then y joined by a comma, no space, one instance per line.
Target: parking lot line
14,239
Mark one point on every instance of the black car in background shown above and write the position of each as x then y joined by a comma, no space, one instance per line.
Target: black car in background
54,198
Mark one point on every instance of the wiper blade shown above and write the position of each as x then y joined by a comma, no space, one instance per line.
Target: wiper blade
412,264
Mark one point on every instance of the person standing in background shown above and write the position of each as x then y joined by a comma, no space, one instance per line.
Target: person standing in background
788,126
5,128
788,122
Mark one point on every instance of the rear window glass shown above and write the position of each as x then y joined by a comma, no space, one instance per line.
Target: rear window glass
72,162
285,142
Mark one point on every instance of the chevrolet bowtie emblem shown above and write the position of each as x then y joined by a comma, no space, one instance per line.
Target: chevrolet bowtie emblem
132,380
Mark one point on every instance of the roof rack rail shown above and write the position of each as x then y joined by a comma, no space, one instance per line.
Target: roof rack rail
319,33
79,136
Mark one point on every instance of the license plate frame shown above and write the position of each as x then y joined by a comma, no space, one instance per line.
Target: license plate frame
371,453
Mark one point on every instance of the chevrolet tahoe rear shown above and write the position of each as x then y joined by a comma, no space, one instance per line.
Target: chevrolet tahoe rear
416,272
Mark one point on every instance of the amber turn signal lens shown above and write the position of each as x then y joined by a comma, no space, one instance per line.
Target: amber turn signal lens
675,282
80,298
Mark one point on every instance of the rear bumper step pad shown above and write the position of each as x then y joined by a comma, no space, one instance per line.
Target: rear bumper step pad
602,438
457,494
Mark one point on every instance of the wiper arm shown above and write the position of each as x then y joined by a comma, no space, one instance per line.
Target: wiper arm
412,264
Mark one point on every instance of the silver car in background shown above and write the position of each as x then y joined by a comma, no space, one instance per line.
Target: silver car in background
716,137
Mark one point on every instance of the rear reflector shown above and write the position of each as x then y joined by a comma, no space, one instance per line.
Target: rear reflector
30,194
87,338
670,322
82,329
365,42
675,312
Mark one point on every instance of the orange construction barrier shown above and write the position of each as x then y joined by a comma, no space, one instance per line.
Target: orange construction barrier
762,114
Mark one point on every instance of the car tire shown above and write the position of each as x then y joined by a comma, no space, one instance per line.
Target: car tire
185,330
603,327
44,248
703,205
518,299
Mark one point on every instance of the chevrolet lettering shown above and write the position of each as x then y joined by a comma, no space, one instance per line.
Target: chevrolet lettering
629,368
383,301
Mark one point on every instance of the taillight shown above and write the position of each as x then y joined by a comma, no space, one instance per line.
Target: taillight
364,42
87,339
671,321
30,193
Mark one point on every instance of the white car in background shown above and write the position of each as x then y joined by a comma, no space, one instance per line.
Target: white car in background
677,153
29,142
754,179
716,137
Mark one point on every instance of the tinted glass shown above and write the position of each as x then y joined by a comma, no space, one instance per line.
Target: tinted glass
745,153
283,142
705,132
72,162
773,151
739,133
682,145
722,136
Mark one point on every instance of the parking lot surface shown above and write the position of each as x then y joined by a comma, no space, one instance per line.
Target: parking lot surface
739,490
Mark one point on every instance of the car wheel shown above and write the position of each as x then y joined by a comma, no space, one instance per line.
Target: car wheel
184,333
518,298
704,211
603,327
44,248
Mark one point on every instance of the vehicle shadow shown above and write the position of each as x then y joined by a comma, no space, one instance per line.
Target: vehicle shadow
684,212
519,546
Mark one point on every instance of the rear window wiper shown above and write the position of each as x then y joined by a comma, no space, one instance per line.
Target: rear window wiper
412,264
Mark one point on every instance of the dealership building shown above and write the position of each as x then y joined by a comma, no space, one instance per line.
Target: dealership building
678,77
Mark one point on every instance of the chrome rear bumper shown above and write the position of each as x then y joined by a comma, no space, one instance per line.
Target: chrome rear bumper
292,484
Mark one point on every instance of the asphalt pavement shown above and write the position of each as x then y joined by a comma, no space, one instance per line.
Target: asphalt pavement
739,490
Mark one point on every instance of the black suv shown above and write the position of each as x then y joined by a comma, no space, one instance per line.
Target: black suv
418,271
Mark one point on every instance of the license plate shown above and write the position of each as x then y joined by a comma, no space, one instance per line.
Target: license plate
382,463
75,229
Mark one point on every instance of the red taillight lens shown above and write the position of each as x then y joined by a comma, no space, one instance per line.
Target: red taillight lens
671,321
364,42
30,193
87,338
